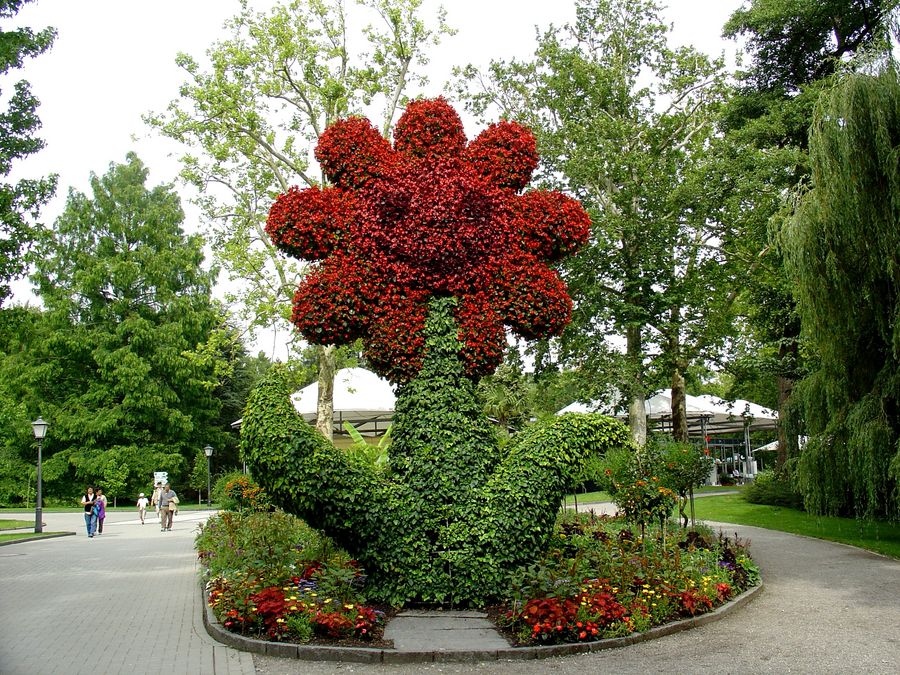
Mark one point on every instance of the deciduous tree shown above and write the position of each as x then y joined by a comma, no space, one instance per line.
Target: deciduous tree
249,122
20,202
117,366
626,123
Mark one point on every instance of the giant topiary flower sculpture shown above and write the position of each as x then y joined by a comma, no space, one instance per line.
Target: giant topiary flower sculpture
427,250
430,217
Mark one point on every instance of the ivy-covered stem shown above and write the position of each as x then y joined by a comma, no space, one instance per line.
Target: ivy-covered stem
451,521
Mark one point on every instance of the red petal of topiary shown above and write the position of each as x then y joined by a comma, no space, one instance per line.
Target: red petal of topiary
351,152
308,223
553,225
505,153
395,341
332,302
429,128
481,333
533,300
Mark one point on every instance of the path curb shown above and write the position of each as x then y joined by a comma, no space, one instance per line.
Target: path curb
41,538
392,656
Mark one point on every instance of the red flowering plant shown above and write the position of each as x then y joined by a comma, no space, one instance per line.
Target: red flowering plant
431,216
630,592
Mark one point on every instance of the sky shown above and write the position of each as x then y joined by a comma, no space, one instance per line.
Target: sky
114,61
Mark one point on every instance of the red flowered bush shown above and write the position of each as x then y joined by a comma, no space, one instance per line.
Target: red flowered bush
431,216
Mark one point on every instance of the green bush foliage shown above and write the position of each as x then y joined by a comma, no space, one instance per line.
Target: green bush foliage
775,489
451,519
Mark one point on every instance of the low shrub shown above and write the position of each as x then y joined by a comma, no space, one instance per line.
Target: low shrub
774,489
236,491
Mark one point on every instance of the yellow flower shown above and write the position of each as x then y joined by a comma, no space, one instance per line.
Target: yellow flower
293,608
348,606
327,600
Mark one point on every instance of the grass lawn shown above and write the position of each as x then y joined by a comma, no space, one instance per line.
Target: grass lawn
877,536
25,535
6,524
589,497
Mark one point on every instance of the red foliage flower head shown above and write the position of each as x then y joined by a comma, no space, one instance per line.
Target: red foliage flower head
505,153
430,128
428,217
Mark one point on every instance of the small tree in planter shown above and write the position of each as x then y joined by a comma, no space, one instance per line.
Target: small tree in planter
428,253
684,467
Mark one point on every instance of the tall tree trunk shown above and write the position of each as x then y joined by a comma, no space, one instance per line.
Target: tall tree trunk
637,411
679,407
786,352
785,387
325,404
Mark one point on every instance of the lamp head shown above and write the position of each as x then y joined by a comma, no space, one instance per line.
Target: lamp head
208,450
39,428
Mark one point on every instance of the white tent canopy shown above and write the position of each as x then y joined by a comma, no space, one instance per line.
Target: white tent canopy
360,397
705,414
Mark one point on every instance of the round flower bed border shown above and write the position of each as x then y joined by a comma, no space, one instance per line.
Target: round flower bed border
381,655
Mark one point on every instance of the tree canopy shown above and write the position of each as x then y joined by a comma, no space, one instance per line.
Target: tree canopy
20,202
843,248
625,124
117,359
249,121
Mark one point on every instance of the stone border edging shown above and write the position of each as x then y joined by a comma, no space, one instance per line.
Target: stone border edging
374,655
54,535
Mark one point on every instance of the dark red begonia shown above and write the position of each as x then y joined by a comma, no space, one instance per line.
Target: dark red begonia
430,216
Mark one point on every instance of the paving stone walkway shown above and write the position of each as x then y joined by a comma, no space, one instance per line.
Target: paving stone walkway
127,602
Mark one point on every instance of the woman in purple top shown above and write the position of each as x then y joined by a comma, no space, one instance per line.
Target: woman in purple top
101,510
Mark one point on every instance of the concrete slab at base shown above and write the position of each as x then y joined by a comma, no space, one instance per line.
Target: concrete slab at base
439,632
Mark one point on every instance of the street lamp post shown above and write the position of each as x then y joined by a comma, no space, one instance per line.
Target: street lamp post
748,418
39,428
209,451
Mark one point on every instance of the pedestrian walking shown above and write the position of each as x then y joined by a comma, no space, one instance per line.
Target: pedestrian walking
142,503
87,502
100,509
168,502
157,491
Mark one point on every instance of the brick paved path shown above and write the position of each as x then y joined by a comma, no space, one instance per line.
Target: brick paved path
125,601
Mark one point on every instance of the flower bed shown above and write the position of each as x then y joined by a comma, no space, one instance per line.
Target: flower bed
600,579
270,576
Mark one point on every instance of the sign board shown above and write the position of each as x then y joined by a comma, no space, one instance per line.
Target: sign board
160,477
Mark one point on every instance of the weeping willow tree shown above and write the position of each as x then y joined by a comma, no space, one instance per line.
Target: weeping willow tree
843,250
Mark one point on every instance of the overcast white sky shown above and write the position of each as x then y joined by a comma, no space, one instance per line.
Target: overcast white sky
113,61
